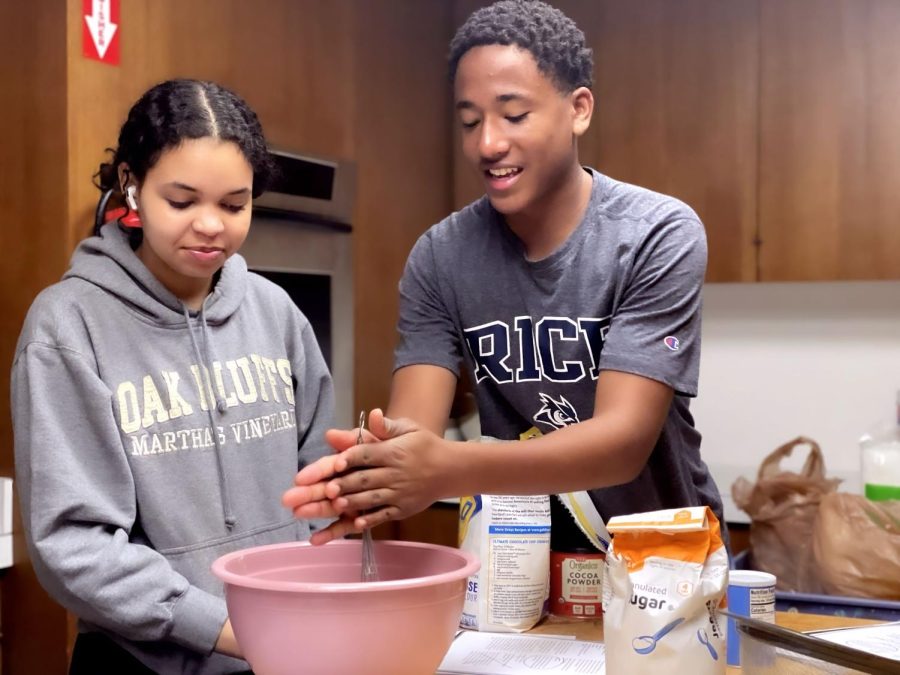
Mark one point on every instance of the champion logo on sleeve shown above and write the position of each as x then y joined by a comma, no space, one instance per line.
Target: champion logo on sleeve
672,342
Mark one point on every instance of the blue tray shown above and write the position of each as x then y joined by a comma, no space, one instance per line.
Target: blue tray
835,605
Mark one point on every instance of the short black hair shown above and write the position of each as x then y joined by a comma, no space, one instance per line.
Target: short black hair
552,38
178,110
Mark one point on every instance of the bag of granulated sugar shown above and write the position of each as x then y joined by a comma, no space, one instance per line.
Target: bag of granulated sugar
666,574
511,536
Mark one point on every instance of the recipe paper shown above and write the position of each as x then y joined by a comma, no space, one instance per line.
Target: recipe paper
481,653
882,640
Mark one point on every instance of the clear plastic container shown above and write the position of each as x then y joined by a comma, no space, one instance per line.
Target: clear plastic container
769,649
760,657
880,457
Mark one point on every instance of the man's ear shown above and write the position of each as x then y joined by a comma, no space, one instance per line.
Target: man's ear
582,109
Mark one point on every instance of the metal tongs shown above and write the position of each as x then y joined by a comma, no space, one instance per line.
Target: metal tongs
369,568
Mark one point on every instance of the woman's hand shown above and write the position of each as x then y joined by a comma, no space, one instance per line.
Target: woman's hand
401,473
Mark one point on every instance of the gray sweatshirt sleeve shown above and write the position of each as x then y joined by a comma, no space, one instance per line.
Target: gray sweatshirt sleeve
314,405
78,505
314,393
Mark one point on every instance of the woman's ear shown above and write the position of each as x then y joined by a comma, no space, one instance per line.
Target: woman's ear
582,110
124,173
127,186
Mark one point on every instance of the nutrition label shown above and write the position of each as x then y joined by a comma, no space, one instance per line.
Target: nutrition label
762,604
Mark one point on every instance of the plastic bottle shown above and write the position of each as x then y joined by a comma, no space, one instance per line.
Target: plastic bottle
880,457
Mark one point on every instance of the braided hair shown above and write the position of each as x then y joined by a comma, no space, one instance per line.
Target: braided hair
178,110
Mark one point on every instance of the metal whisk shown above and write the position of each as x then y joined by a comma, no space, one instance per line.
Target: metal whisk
369,568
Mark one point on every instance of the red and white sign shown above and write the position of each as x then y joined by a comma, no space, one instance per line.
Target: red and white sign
100,30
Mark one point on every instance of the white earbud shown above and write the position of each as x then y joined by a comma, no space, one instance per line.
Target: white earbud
129,197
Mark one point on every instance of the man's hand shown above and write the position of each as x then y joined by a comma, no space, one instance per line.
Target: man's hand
365,485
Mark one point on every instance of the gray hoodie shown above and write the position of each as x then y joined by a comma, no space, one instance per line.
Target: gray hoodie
150,440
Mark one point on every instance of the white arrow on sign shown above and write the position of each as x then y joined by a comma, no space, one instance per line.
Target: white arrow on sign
100,26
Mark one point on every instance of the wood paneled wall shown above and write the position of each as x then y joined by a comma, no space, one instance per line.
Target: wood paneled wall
33,241
33,178
351,79
403,140
292,60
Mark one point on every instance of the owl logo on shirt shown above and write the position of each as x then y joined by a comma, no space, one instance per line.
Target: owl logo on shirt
557,414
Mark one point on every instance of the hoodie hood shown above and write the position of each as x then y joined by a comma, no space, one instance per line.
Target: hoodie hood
108,261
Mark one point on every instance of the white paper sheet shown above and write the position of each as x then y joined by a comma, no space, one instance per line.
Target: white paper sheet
478,653
883,639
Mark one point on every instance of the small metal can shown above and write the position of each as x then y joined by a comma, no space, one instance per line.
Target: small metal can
576,583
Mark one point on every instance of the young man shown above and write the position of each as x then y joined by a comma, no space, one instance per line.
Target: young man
573,299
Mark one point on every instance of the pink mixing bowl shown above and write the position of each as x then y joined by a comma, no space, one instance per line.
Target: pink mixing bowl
299,609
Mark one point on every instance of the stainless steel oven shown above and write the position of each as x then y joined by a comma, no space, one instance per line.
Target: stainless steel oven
300,239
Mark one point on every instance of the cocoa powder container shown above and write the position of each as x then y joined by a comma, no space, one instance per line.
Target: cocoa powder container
576,583
576,569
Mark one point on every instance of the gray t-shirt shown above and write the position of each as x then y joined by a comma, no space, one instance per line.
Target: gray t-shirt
622,293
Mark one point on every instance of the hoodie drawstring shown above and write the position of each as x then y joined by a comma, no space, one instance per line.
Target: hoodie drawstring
220,403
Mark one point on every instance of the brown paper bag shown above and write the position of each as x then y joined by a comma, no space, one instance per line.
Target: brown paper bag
856,543
782,506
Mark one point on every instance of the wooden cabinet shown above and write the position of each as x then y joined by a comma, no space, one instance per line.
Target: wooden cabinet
676,90
829,190
776,120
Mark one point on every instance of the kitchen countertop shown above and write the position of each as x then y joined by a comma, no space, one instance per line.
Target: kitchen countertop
593,629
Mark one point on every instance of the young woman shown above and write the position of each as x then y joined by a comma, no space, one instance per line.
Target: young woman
164,396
